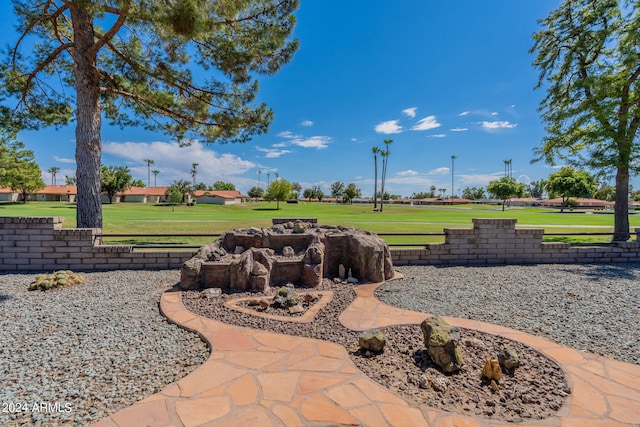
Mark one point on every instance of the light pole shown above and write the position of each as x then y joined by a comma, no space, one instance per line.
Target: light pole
453,158
268,180
259,174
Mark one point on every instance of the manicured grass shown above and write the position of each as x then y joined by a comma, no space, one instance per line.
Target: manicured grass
141,218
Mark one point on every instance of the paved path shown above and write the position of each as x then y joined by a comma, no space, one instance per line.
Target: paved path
255,378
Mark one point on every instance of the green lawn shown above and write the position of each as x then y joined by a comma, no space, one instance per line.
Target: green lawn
140,218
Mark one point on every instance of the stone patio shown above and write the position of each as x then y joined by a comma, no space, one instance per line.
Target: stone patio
255,378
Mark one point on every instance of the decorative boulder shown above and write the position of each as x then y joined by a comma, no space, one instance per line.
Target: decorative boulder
288,252
372,340
491,370
442,343
508,359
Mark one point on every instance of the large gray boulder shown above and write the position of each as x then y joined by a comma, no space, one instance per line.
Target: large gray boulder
442,343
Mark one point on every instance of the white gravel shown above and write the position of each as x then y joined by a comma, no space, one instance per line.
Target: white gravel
72,356
593,308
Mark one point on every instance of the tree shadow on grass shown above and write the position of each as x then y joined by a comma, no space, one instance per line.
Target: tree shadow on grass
265,209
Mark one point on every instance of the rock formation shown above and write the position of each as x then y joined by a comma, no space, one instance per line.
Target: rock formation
442,343
294,252
372,340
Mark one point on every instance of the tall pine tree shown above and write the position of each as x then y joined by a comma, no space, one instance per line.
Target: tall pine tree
184,67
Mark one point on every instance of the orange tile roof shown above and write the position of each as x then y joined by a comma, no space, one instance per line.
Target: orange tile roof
225,194
58,189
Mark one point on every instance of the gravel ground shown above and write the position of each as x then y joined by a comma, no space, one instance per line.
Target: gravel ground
593,308
86,352
535,391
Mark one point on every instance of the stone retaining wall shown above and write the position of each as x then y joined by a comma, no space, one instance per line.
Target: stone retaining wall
41,244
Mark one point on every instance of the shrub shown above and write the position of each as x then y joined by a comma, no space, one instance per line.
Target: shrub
57,279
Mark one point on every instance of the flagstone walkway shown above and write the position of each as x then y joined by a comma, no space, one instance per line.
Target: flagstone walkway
255,378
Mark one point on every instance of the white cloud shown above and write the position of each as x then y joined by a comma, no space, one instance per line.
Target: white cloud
497,125
318,142
273,153
174,162
279,145
494,113
388,127
439,171
438,135
459,129
408,172
410,112
306,123
354,139
63,160
287,134
464,113
427,123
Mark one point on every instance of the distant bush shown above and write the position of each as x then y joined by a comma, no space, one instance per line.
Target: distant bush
57,279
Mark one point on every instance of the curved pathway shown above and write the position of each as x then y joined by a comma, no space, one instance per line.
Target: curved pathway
255,378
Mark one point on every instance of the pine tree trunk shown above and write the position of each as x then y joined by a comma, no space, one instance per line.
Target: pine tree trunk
621,209
88,120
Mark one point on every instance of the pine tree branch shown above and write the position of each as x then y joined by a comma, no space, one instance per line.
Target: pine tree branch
35,22
41,66
106,37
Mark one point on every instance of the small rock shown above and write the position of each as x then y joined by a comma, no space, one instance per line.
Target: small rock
494,387
288,252
238,250
253,302
295,309
508,359
211,293
309,297
352,280
372,340
264,304
440,383
299,227
259,269
491,370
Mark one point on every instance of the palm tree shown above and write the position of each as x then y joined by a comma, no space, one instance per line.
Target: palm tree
453,158
53,170
194,172
507,168
259,175
385,162
375,151
155,173
149,163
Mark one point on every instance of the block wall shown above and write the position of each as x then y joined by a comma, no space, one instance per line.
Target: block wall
41,244
497,241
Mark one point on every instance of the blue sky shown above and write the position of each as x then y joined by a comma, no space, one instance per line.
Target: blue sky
439,78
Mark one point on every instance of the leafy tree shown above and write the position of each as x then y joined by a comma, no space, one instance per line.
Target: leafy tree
385,162
138,183
503,189
18,171
141,69
606,192
337,189
175,196
432,191
221,185
279,190
180,186
420,195
569,182
69,180
535,189
587,53
473,193
313,193
351,192
256,192
201,186
114,180
295,190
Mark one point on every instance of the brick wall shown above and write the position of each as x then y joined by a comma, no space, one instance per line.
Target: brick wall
497,241
41,244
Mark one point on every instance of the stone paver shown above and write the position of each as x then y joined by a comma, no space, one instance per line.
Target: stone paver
257,378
